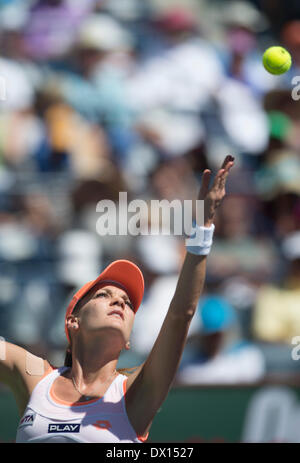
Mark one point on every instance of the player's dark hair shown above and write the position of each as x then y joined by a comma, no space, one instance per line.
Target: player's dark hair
68,358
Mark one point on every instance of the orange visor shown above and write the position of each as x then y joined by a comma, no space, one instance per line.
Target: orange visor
122,272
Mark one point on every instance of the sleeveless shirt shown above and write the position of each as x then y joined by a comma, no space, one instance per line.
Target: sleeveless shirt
49,419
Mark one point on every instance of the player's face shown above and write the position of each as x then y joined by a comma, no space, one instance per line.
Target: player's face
107,307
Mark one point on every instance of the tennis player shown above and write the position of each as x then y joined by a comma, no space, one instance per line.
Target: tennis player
88,400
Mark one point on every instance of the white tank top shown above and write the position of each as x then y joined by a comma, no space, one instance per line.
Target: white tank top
49,419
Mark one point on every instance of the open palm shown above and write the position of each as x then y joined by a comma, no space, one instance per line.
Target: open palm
213,196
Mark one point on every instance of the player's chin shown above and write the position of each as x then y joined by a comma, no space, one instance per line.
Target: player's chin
115,317
110,327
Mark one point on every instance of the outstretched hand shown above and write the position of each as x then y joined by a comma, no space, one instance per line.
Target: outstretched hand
213,196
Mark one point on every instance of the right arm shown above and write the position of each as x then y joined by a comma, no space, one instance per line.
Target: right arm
20,371
150,384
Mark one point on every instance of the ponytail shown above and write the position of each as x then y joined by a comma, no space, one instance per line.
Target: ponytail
68,358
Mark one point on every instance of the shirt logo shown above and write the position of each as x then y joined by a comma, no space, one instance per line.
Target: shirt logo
27,420
102,424
63,427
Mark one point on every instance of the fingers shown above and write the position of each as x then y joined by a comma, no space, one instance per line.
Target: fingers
220,179
205,184
228,159
225,174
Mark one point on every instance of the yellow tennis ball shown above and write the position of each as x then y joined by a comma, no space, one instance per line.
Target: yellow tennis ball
277,60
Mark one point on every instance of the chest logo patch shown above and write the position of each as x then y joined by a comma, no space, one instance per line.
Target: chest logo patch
27,420
63,427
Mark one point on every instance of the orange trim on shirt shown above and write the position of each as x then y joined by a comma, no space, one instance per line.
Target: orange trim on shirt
70,404
142,439
48,371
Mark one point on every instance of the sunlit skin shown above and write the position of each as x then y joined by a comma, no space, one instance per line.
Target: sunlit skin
97,338
94,312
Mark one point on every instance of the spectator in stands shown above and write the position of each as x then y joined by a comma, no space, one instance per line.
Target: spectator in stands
276,316
218,355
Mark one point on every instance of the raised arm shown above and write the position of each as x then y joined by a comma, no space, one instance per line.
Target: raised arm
150,384
192,276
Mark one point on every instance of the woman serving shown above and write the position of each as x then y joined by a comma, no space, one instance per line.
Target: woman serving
88,400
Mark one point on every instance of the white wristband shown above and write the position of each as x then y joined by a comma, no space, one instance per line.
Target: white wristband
200,243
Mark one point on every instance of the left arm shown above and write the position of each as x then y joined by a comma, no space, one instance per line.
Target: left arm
150,383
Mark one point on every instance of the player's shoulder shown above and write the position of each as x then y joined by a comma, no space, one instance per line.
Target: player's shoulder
19,362
21,371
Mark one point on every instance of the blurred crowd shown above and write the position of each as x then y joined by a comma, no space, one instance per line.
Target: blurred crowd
140,96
